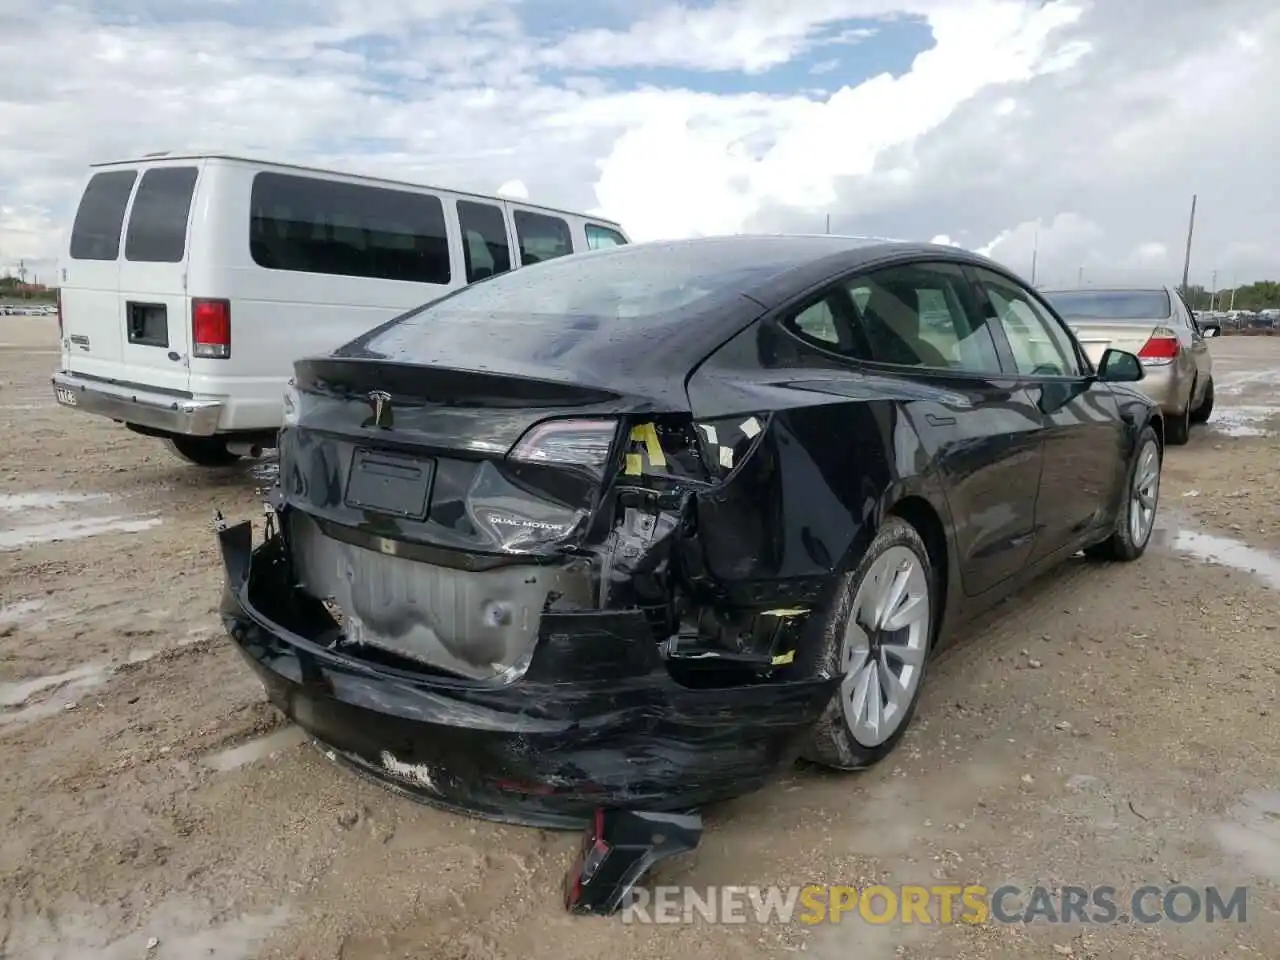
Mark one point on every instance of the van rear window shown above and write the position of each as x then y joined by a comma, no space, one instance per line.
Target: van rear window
312,225
158,221
95,233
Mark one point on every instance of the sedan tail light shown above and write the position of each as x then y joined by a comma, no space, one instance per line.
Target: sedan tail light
580,442
1161,349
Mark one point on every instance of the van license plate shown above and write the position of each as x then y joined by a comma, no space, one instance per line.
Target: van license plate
65,396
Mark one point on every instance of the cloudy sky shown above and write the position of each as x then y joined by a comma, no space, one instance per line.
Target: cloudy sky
990,122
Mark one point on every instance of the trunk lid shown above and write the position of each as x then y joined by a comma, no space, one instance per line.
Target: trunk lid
442,510
1098,336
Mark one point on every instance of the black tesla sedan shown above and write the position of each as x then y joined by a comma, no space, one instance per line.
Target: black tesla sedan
638,526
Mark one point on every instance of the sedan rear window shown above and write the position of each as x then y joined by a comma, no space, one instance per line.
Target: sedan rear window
1111,304
580,297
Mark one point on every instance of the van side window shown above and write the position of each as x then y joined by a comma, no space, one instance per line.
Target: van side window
158,221
95,233
313,225
484,240
541,237
599,237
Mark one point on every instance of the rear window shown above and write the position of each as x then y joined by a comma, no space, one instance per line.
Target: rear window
158,220
537,313
541,237
95,233
599,237
312,225
1111,304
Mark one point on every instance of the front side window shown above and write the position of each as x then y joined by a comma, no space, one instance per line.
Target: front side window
484,240
95,232
1041,345
599,237
541,237
158,221
313,225
924,315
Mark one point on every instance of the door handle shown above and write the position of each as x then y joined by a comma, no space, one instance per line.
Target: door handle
937,421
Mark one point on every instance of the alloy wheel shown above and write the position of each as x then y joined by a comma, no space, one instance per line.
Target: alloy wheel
884,646
1145,495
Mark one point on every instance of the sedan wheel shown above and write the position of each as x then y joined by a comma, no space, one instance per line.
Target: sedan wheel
884,646
878,635
1136,517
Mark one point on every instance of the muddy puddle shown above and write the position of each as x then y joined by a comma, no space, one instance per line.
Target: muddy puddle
260,748
36,698
1223,551
1246,421
1250,833
37,517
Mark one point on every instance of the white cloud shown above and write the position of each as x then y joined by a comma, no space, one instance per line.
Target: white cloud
1087,125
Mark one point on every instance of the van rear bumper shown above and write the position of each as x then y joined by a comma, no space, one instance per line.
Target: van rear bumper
131,404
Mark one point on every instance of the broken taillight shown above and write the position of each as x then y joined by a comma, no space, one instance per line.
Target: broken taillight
1162,349
578,441
726,441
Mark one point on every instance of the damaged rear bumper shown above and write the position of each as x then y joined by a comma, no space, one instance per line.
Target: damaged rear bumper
595,721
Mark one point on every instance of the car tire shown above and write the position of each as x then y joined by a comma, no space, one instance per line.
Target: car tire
1177,429
895,564
1202,413
1129,539
202,451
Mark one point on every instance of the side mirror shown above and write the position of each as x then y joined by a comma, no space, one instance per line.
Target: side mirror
1120,366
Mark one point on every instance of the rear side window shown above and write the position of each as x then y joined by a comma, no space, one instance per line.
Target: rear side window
541,237
95,233
312,225
484,240
158,221
599,237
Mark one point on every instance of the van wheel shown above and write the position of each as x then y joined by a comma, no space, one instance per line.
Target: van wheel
203,451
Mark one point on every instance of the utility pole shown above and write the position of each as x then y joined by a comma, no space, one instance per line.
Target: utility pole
828,224
1080,277
1213,290
1035,251
1186,262
1232,305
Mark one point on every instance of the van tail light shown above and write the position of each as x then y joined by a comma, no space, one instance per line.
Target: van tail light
58,300
1161,350
211,329
572,441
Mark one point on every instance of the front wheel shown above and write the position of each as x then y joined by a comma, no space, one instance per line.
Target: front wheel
877,638
1137,515
202,451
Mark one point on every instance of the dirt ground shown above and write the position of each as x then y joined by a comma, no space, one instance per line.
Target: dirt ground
1112,725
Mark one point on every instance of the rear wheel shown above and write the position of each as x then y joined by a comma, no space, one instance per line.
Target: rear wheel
1177,430
878,634
1202,413
1137,516
203,451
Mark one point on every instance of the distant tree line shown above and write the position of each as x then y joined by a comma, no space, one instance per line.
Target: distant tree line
1260,295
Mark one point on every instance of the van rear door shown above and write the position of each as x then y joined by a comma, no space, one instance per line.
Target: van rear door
92,335
155,310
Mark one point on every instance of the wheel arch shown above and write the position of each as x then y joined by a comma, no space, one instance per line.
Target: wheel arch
929,521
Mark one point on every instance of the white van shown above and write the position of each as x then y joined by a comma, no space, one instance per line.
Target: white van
190,283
